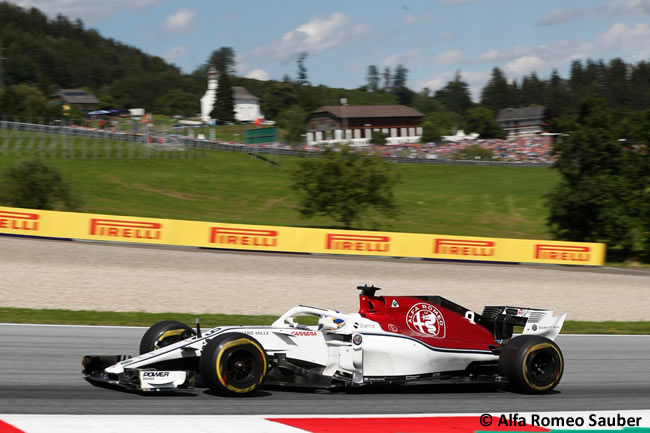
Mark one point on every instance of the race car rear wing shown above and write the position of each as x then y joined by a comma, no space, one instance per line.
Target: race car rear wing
534,321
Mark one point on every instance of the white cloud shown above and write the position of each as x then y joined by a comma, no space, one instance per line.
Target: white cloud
612,9
524,65
258,74
449,57
490,55
619,37
87,10
316,35
554,16
409,19
240,65
521,59
174,53
180,21
408,58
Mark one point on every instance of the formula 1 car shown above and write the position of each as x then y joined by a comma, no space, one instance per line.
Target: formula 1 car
391,340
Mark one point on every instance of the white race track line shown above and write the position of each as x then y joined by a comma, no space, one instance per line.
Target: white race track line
306,423
73,326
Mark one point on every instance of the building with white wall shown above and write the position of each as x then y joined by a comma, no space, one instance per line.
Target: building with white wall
356,123
246,105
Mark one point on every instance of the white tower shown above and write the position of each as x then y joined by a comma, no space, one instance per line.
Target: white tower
210,96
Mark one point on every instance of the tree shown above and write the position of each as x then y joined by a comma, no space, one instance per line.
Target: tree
532,91
555,96
388,79
497,93
176,102
378,138
455,95
302,70
442,123
278,97
106,102
474,151
373,79
10,103
589,203
429,132
27,102
223,60
482,120
345,185
35,185
293,121
399,88
635,130
224,106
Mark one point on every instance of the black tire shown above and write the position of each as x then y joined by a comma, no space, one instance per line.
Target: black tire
233,364
163,334
533,364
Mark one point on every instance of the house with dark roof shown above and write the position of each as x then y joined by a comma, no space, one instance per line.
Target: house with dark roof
356,123
247,105
78,98
522,122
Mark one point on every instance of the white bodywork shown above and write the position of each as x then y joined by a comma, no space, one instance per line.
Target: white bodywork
379,353
341,344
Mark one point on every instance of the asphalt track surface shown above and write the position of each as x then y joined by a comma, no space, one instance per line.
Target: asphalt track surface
40,374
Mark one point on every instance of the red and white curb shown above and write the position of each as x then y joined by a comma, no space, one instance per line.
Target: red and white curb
636,421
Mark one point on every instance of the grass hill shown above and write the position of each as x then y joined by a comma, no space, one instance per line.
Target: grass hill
237,188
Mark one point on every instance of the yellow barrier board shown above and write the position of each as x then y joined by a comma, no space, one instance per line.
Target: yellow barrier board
294,239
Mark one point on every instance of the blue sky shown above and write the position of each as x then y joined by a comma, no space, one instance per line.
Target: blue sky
432,38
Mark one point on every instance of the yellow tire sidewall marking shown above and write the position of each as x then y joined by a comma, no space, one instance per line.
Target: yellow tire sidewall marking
235,343
536,347
170,333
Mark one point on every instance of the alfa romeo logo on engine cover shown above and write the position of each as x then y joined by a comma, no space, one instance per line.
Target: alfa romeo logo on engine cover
426,319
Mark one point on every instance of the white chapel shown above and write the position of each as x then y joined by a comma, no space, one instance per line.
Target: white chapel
247,106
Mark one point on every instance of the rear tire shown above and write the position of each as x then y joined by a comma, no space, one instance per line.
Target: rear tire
163,334
233,364
533,364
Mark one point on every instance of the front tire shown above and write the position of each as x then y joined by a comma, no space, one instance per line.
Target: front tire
163,334
533,364
233,364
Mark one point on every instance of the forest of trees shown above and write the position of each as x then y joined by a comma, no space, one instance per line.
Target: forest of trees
44,55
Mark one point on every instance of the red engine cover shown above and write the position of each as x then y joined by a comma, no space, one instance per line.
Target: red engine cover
432,324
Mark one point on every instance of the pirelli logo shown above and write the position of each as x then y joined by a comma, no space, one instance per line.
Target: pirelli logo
345,242
125,229
18,220
567,253
243,237
464,247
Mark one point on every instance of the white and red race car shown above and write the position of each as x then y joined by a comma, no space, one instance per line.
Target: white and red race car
392,339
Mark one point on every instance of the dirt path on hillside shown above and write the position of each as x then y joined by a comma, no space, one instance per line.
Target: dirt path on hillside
79,275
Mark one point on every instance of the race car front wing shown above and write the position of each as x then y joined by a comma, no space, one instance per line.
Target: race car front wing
134,379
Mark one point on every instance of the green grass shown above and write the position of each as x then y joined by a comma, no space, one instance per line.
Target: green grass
231,187
84,317
608,327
